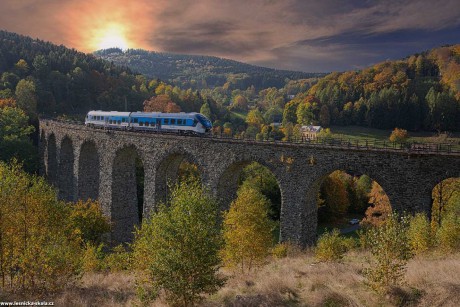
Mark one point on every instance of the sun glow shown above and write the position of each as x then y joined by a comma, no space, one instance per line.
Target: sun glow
110,37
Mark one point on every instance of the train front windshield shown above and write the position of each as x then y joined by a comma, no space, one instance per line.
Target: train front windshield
204,121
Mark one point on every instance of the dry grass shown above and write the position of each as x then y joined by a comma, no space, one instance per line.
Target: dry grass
297,280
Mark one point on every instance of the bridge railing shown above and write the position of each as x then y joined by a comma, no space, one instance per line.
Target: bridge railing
367,144
371,144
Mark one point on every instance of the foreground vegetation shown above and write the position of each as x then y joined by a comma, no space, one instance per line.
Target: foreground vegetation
182,256
297,280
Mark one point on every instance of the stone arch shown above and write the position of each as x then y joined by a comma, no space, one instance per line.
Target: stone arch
124,210
168,169
316,181
228,181
375,174
66,174
88,171
228,185
51,159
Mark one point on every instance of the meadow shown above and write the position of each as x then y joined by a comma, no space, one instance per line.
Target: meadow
297,280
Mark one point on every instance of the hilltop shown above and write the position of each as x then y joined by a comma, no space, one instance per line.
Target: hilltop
199,71
55,79
420,92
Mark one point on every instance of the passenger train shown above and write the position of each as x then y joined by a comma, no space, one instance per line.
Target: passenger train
187,123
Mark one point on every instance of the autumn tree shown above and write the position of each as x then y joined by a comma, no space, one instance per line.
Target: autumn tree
161,103
363,187
334,200
255,118
14,137
399,135
206,110
446,199
289,113
39,248
390,250
247,230
379,208
26,97
176,249
7,102
239,103
87,217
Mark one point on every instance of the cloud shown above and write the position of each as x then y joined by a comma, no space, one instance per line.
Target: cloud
295,34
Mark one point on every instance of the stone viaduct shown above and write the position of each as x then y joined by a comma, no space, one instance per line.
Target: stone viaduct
90,163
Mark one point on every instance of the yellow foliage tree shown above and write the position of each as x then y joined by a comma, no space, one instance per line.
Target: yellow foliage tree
87,217
380,207
247,230
39,249
399,135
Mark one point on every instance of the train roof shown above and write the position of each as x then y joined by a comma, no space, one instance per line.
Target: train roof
144,114
162,115
108,113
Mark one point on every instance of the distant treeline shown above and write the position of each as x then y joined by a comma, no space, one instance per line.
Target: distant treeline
201,72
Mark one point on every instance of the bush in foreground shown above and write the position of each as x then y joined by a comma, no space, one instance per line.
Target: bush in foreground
40,250
247,230
178,247
331,246
390,251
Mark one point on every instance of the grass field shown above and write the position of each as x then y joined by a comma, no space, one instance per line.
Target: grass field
362,133
298,280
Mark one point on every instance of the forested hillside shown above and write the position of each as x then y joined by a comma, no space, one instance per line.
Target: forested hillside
51,79
198,71
419,92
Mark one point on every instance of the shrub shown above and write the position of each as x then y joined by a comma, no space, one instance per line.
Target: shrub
330,246
87,217
280,250
399,135
390,251
39,248
119,259
92,258
448,234
177,247
419,233
247,230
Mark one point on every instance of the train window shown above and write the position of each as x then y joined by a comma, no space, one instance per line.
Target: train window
173,121
123,120
166,121
136,120
179,121
147,124
141,123
119,122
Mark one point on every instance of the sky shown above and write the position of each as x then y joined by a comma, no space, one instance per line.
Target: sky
304,35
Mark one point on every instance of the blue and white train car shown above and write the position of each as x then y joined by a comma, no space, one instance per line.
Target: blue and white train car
170,122
108,119
193,123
